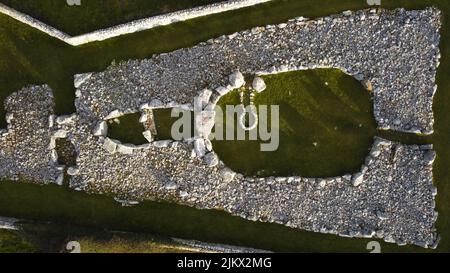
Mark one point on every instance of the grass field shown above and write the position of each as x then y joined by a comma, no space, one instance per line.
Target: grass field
44,237
129,130
125,243
13,242
128,123
325,130
27,56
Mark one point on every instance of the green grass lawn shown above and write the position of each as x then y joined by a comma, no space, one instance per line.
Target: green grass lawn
163,122
129,130
93,15
29,57
325,130
46,237
13,242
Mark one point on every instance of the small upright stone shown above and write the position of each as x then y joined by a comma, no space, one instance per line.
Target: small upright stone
237,79
211,160
101,129
259,85
357,179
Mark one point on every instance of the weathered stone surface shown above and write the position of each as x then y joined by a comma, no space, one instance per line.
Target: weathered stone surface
171,186
60,180
79,79
63,120
227,175
114,114
204,123
236,79
125,149
143,118
101,129
211,159
162,143
148,135
72,171
357,179
60,134
199,147
52,144
202,99
222,90
259,85
156,103
110,146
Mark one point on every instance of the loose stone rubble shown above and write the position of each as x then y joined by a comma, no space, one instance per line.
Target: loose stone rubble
393,199
390,198
396,52
24,147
